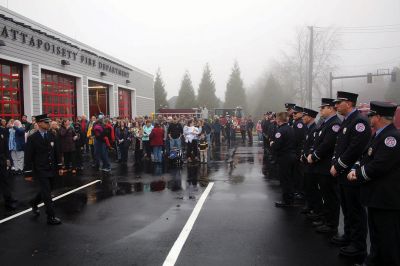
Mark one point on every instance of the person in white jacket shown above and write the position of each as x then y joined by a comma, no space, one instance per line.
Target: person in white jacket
190,132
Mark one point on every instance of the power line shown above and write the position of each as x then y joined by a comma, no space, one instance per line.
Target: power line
368,48
363,27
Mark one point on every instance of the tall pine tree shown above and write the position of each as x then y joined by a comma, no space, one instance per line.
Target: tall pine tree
206,96
270,97
160,95
235,94
186,96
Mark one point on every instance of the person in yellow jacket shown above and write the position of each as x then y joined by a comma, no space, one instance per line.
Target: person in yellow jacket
90,137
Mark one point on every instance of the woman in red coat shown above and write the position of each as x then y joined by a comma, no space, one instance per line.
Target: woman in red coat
157,142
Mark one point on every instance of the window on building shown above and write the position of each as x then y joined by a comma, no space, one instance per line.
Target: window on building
58,95
11,104
125,103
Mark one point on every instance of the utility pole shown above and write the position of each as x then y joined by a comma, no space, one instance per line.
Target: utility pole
310,66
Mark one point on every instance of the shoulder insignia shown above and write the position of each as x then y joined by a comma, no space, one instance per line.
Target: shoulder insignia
360,127
390,142
299,125
335,128
277,135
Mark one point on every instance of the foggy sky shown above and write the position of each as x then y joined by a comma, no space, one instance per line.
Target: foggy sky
184,35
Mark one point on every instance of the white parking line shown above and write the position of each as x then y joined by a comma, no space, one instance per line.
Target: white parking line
54,199
178,245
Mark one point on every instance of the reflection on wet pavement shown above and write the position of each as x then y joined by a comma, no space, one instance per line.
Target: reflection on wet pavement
183,181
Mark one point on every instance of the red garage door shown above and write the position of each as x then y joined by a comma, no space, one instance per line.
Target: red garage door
11,104
125,103
58,95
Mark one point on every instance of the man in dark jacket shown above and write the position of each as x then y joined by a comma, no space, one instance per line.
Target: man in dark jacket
378,171
312,194
353,136
299,134
42,161
5,164
321,159
175,132
284,148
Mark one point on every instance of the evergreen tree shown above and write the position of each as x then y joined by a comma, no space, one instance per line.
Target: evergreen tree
206,96
160,95
235,94
186,96
393,90
270,97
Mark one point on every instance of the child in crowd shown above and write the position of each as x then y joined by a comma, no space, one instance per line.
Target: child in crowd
203,148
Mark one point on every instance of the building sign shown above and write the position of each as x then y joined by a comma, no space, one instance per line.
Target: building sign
71,54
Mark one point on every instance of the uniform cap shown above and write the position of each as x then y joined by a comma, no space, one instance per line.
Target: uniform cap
298,109
43,118
346,96
310,112
289,105
382,109
327,102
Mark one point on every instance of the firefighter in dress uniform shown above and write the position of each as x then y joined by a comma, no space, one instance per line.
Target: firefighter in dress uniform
327,219
284,149
378,172
353,136
43,162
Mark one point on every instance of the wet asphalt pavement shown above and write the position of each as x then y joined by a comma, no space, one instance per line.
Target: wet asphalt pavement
134,217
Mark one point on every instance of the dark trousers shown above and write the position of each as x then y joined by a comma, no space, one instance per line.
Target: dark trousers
5,187
312,192
384,233
69,159
147,148
355,216
78,156
46,185
123,148
217,138
191,151
250,136
285,170
330,194
243,133
298,176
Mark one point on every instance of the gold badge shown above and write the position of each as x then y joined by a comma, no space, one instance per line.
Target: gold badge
52,144
369,151
344,130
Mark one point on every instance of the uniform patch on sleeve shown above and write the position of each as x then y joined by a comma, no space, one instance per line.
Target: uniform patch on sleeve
299,125
360,127
390,142
278,135
335,128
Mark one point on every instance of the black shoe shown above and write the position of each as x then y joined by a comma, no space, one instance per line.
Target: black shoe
352,251
35,209
283,204
326,229
313,216
11,205
340,241
317,223
305,210
53,220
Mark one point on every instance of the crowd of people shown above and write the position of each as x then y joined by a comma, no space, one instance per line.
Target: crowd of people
69,143
346,161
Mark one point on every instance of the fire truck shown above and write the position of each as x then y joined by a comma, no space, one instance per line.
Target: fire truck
236,113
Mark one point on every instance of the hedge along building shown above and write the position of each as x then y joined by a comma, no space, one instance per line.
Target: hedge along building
43,71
